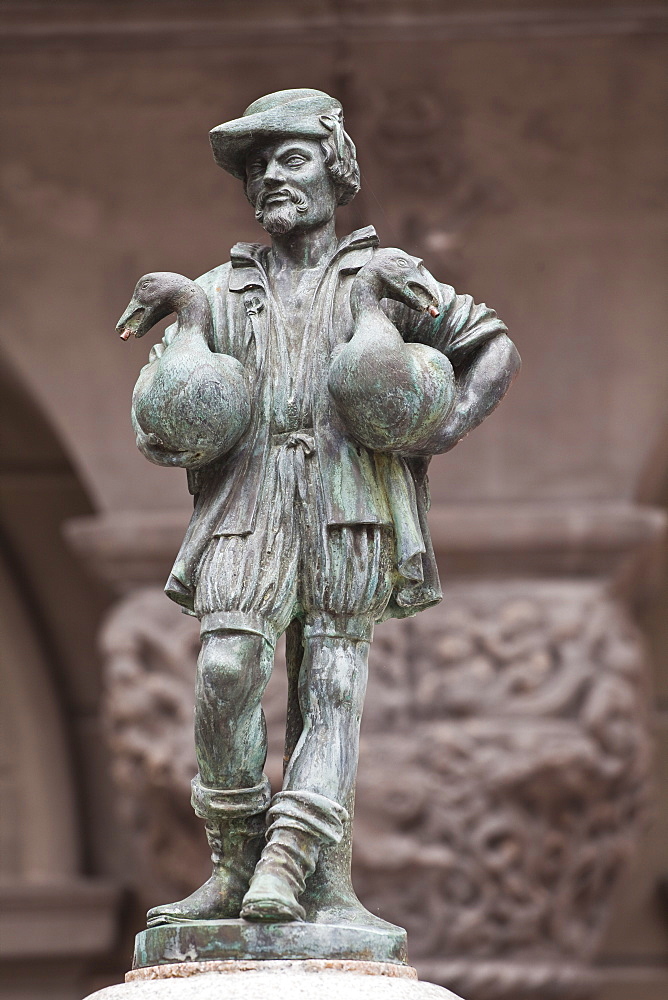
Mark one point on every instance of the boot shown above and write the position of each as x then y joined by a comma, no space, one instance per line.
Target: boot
301,823
236,840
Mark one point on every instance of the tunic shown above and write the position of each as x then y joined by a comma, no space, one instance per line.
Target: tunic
358,486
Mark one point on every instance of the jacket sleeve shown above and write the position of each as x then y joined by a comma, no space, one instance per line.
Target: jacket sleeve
460,328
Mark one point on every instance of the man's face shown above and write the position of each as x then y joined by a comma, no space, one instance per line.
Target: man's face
289,185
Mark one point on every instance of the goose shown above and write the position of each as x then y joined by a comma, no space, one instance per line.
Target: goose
193,405
390,394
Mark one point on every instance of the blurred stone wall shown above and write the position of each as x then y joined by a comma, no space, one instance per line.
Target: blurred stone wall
521,153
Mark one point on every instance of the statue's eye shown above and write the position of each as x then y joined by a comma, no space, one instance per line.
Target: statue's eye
145,284
402,263
295,161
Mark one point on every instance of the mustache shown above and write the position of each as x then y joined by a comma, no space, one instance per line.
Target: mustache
296,197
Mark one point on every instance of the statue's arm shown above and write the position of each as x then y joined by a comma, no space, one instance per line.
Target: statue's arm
481,382
484,359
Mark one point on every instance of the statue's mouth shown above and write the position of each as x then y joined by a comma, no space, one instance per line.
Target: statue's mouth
278,199
277,196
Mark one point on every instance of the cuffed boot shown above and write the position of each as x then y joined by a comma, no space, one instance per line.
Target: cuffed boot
301,823
235,828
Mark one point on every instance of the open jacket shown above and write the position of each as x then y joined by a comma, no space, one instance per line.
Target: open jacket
359,486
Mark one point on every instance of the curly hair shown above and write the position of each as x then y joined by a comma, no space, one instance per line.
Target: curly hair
340,158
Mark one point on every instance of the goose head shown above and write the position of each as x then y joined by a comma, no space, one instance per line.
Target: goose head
155,296
393,274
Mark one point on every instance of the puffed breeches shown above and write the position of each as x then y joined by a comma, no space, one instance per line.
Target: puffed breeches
338,581
293,564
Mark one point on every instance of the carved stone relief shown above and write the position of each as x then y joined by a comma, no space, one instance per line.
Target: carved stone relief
502,782
150,651
524,759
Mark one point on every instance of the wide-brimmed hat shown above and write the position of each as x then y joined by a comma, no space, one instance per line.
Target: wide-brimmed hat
285,113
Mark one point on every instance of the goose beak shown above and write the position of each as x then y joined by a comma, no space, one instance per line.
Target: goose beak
132,322
421,296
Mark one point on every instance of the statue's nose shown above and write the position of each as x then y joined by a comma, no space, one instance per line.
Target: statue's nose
274,173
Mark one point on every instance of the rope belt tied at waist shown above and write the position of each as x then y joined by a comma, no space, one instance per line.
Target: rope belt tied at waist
296,439
294,448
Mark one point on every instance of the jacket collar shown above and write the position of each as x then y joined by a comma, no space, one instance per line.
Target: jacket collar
248,267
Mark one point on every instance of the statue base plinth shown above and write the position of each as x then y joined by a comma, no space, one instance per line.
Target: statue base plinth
242,941
275,980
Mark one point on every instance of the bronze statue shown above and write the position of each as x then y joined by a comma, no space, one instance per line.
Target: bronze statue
305,388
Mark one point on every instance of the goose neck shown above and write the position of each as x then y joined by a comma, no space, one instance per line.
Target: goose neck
365,295
192,312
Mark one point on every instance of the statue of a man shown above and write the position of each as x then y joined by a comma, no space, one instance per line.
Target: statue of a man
301,521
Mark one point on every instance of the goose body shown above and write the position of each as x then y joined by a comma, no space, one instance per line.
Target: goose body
191,404
390,394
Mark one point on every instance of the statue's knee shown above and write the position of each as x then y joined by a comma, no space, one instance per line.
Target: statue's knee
230,670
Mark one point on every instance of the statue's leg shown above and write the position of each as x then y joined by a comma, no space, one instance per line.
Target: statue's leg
244,600
349,589
332,686
309,813
230,792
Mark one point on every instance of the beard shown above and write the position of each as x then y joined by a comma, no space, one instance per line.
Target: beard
279,219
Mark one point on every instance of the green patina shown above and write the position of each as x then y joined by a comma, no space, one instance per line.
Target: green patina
304,387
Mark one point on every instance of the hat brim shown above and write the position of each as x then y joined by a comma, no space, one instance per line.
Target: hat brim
232,141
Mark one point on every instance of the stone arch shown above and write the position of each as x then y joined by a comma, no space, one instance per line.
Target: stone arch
38,822
41,831
54,918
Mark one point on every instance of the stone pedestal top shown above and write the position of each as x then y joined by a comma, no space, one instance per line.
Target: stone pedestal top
289,980
184,970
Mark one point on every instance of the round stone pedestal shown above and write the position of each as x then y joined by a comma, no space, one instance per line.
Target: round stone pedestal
325,979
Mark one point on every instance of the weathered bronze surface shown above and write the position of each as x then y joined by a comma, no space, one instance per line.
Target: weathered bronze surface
242,940
305,387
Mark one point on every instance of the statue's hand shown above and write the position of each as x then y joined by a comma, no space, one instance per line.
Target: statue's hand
171,457
155,450
191,407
